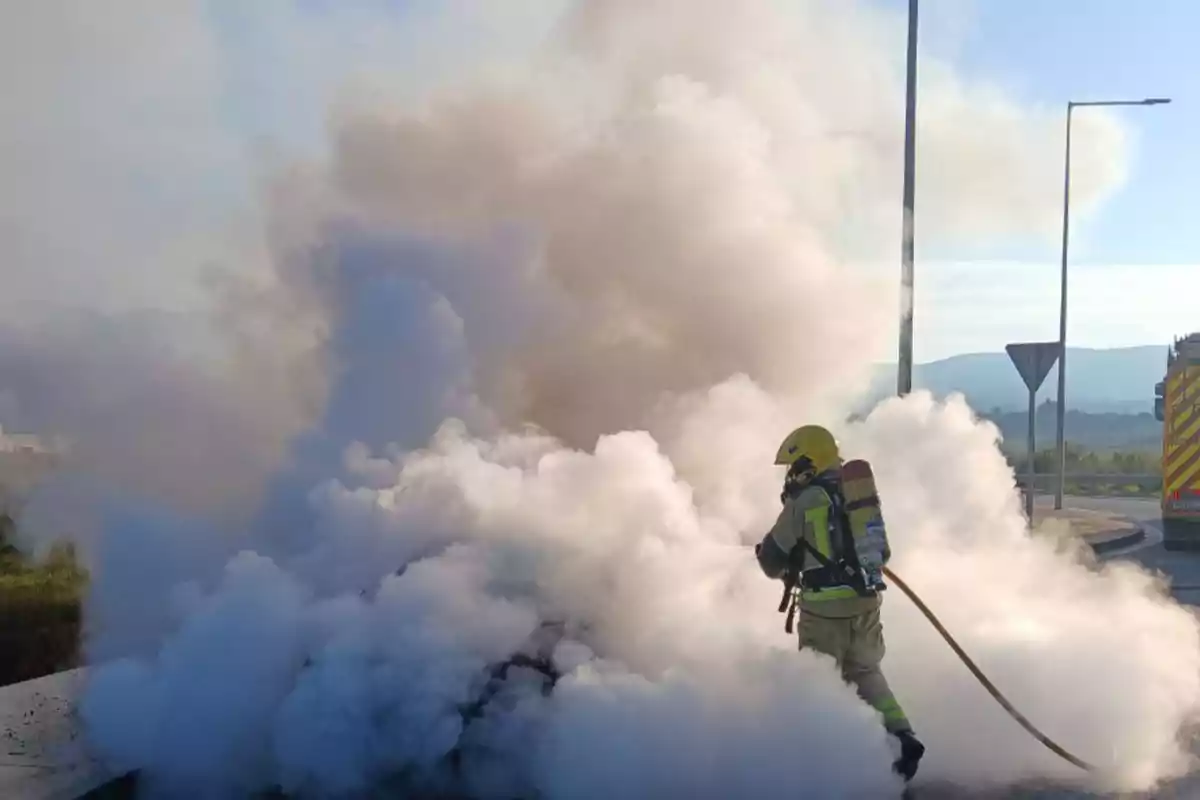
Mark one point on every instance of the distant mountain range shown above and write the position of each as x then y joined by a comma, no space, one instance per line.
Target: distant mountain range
1114,381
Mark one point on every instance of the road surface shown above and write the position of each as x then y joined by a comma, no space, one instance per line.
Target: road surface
43,756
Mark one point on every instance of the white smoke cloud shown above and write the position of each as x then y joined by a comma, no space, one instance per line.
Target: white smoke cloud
684,660
112,148
519,352
1050,628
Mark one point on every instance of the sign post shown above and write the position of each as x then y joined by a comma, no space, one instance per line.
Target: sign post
1033,361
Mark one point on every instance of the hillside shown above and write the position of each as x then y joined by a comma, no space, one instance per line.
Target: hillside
1103,432
1115,381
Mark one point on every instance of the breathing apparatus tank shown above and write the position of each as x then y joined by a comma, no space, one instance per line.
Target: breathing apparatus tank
864,515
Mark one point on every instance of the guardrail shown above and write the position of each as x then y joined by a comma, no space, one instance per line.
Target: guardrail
1048,481
1089,477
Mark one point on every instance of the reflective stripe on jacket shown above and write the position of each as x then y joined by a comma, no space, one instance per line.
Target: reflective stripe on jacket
807,515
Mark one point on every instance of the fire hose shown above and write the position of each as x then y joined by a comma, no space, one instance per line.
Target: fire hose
542,663
996,694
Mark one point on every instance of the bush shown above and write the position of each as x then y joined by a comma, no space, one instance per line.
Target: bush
1084,461
40,612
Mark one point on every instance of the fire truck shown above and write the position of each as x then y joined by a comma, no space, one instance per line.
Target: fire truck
1177,406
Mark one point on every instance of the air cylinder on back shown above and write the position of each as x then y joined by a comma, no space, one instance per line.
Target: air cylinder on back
865,514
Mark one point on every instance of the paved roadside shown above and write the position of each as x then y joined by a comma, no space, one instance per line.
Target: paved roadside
41,754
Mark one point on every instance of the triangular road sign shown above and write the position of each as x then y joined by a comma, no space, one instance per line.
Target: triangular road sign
1033,360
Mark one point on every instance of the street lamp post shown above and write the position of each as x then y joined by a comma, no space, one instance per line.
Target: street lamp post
905,363
1062,312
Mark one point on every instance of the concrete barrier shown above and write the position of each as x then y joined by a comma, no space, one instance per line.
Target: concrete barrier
1120,542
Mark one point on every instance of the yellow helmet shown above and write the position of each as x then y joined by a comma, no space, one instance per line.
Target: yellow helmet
812,442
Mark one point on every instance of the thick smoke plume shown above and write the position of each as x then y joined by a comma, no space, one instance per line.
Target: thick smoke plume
509,380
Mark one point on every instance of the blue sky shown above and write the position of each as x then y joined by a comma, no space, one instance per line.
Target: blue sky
1052,51
1144,239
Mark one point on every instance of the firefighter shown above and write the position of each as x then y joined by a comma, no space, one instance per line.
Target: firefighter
839,616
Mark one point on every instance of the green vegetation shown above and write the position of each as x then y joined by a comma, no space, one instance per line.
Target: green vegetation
1097,444
1103,433
39,609
1082,461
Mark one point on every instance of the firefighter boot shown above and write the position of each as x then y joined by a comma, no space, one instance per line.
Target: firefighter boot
911,751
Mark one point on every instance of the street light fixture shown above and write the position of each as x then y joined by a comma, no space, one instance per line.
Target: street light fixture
1062,313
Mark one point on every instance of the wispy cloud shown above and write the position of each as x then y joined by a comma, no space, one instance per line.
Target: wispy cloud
981,306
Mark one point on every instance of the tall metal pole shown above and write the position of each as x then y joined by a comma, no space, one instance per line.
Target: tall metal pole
1062,311
905,363
1060,428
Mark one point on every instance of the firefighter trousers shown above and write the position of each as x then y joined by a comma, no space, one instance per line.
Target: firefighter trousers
856,644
